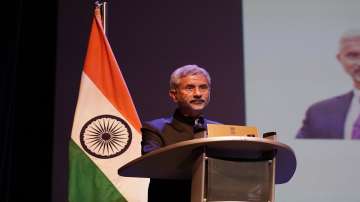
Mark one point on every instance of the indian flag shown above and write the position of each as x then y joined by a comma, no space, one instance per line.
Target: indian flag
106,129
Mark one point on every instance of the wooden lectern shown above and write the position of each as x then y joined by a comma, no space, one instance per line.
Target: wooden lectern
222,168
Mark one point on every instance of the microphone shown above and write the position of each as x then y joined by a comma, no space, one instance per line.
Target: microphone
199,128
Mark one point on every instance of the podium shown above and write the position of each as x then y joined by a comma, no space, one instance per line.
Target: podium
226,168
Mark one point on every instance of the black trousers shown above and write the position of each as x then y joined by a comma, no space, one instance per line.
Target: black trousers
169,190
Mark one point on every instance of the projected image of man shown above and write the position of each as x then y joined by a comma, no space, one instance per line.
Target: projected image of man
338,117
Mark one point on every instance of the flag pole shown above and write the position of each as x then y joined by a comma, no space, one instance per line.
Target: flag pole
103,5
104,9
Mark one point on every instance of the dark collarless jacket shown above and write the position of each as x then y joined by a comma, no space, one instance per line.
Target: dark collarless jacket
159,133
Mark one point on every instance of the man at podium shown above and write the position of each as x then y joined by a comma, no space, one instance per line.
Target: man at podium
190,87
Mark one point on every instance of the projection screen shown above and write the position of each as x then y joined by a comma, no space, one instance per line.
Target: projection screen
290,64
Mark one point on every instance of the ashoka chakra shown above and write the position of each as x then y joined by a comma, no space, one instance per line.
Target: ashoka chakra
105,136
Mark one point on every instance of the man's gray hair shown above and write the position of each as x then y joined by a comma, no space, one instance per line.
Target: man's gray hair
350,35
185,71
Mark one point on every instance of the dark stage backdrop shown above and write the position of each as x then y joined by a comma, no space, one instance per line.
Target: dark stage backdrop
27,81
150,39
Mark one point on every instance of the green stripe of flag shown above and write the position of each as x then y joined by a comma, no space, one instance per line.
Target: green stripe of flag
86,181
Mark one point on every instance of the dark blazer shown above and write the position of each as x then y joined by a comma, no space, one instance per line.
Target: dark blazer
159,133
326,119
165,131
